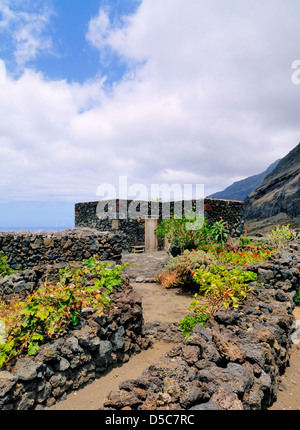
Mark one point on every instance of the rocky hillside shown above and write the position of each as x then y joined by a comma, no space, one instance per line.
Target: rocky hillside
239,190
279,192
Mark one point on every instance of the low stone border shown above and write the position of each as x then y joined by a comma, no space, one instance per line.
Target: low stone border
232,363
26,282
27,250
19,285
78,357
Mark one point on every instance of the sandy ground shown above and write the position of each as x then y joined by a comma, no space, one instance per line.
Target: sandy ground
288,397
93,395
155,300
159,304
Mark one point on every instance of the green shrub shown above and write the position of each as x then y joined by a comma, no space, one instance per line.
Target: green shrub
219,232
190,261
186,264
189,322
190,232
52,309
281,236
221,288
177,230
244,240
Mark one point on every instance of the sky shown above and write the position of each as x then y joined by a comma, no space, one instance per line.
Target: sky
160,92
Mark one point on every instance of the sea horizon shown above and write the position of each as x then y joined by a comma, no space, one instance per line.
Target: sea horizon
34,229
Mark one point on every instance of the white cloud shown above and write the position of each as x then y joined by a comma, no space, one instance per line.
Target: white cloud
2,72
209,98
26,24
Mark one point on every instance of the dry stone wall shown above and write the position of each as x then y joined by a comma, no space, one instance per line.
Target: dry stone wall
27,250
26,282
77,358
133,230
235,361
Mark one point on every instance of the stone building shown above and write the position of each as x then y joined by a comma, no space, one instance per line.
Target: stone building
138,220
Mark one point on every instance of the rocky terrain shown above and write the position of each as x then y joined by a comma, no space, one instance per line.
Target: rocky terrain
239,190
279,192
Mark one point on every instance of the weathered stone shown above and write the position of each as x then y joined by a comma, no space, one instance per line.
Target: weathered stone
49,242
87,338
80,359
122,399
191,354
227,316
27,369
222,399
36,244
62,365
264,334
7,382
50,351
192,393
118,338
27,401
284,285
94,245
71,345
57,380
44,391
281,296
264,276
234,377
229,349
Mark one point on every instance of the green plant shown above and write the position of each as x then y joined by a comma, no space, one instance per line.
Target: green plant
186,264
53,308
244,240
190,261
239,256
297,298
279,237
219,232
189,322
4,267
221,288
192,231
180,232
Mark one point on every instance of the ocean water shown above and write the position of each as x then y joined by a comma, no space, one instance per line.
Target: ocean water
35,229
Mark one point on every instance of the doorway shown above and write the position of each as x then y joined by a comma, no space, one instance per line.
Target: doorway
151,242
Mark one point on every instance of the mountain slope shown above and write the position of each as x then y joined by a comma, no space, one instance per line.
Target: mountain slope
239,190
279,192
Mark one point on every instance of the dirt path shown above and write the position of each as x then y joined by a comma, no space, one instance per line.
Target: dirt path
288,397
159,304
163,305
93,395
